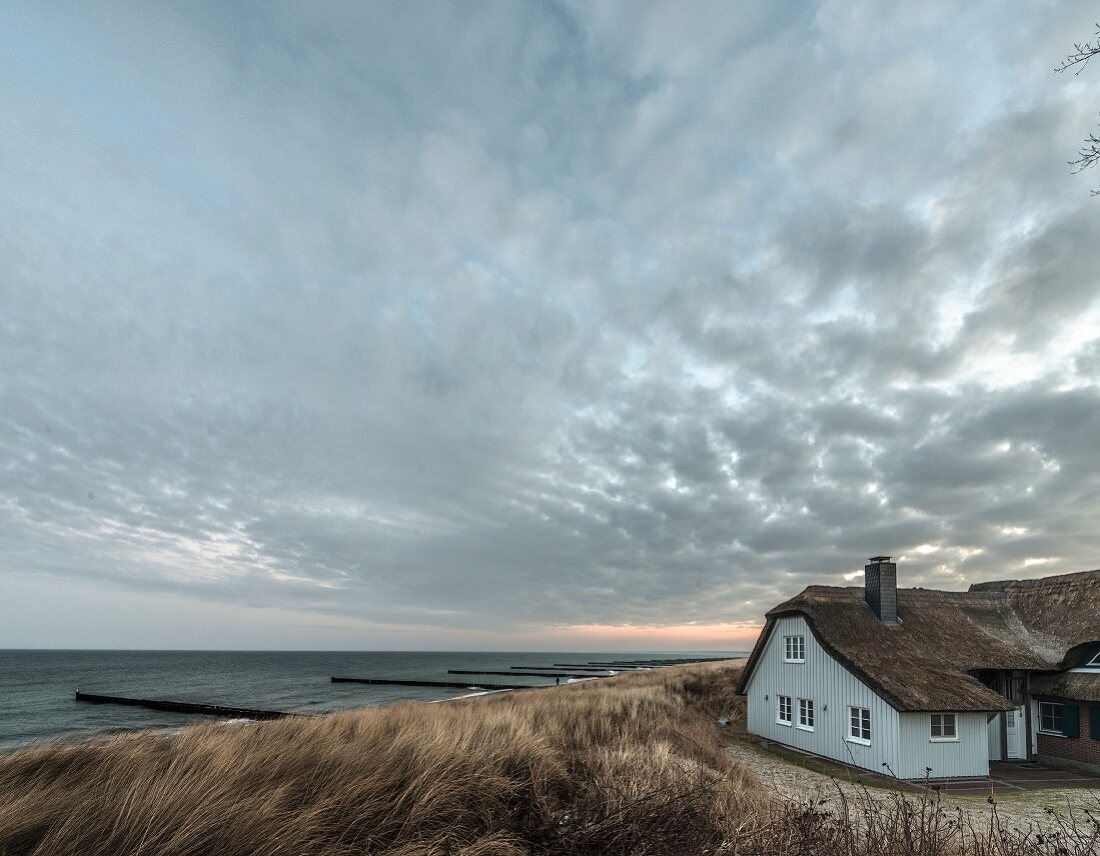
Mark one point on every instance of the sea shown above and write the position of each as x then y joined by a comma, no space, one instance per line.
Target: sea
37,688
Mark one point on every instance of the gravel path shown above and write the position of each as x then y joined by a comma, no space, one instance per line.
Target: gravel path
1017,811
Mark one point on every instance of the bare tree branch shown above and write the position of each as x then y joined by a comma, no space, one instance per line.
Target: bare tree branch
1089,153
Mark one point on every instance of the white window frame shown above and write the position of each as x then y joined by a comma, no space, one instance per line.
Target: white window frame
858,725
789,721
943,737
1061,713
794,649
806,714
1095,661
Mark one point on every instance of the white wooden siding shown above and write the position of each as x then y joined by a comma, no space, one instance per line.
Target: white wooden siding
833,689
899,742
968,757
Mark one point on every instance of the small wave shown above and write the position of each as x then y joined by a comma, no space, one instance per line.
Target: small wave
466,695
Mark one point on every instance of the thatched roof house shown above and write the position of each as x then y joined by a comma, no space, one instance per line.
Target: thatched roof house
997,651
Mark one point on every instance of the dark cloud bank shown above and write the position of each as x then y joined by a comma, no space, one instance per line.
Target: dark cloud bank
550,315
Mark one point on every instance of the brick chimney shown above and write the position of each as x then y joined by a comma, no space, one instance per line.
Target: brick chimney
880,588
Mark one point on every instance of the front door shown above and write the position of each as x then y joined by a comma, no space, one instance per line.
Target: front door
1016,733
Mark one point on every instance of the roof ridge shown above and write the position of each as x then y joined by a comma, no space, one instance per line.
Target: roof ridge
1071,579
1074,578
824,589
967,594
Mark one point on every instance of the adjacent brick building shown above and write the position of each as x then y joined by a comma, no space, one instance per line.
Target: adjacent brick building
1075,696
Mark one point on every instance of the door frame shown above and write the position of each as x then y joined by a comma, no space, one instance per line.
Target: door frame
1019,728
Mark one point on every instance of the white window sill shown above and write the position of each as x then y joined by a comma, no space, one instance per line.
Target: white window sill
1053,733
795,661
806,727
943,739
783,722
858,740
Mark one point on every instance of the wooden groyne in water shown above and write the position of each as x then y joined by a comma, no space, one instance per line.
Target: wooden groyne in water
628,665
676,661
525,674
221,710
652,664
602,667
463,685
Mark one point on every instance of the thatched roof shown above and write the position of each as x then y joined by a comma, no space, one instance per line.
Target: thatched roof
1078,686
928,660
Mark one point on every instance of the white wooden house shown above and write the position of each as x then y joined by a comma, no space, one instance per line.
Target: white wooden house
915,682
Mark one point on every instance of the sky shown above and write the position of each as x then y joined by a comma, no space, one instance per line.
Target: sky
535,325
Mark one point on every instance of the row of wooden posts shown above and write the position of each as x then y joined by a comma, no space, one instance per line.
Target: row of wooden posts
591,669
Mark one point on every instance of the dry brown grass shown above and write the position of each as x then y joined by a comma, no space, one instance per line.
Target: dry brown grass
631,764
627,765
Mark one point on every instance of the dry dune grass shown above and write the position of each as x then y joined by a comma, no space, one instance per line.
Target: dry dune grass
630,765
627,765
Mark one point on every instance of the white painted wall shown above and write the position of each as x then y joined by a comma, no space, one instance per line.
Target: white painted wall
899,742
967,757
833,688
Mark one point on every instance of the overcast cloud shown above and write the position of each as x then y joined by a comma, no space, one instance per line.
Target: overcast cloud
497,324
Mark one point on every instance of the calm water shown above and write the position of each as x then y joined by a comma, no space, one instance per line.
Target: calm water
36,687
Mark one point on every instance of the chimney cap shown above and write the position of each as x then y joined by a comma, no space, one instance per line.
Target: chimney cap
879,559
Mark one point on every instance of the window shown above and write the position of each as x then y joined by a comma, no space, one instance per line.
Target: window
783,713
806,714
1050,717
1095,661
943,727
795,650
859,725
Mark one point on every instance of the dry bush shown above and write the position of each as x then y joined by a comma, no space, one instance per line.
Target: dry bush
915,826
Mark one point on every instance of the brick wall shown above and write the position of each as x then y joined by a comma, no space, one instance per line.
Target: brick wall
1083,748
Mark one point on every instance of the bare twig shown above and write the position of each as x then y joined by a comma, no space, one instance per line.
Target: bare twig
1081,55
